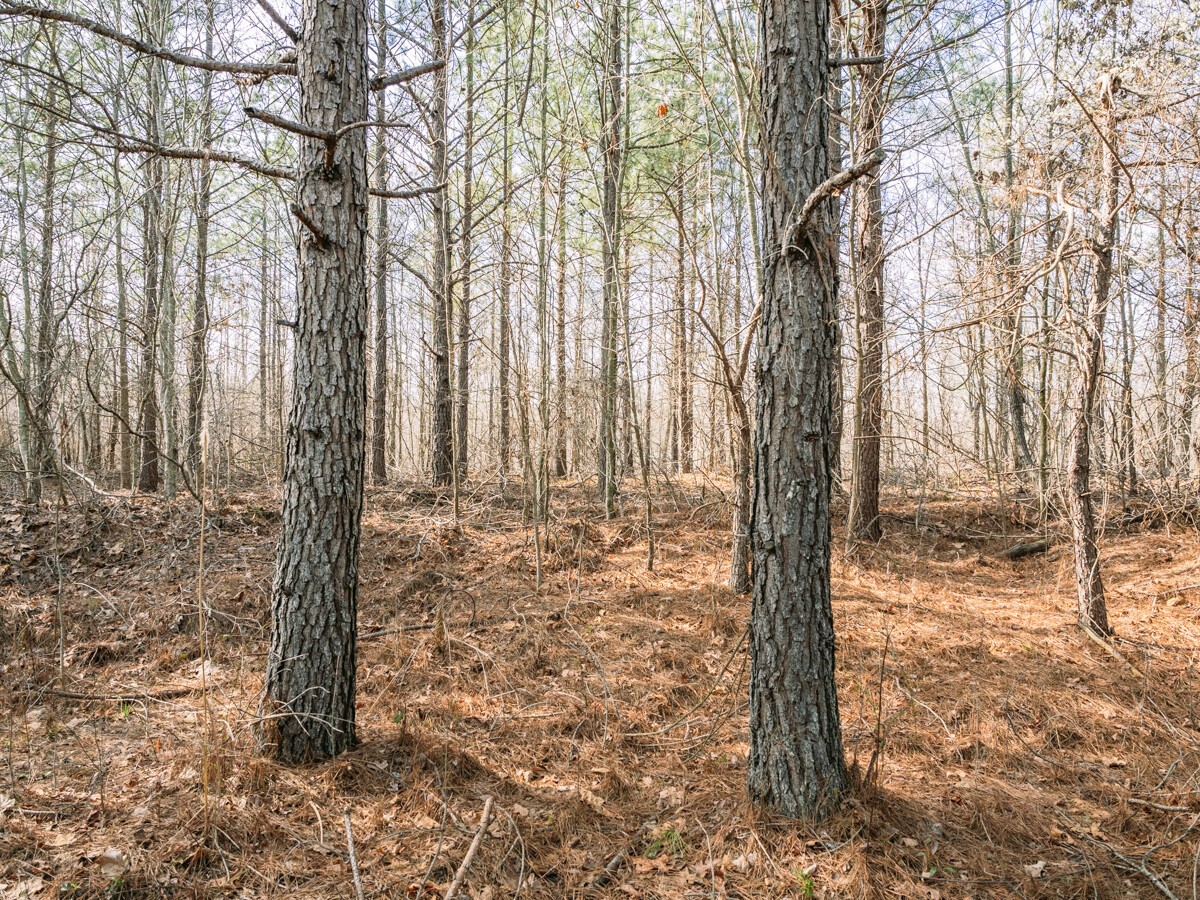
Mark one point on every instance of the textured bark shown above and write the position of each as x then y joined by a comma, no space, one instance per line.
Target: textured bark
739,556
379,393
1191,370
41,375
198,358
148,475
681,443
1092,610
463,368
864,521
443,412
612,101
124,434
796,765
166,338
1011,326
505,436
310,684
836,152
148,470
1163,417
560,330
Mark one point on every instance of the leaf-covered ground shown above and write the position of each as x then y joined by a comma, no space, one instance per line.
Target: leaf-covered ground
997,753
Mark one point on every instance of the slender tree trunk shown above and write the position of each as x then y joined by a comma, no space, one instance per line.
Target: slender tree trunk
1093,612
683,362
1014,300
198,360
166,345
264,332
503,338
1163,412
464,303
443,434
148,473
836,153
1128,454
1190,461
124,435
379,395
560,329
864,521
796,766
310,684
611,109
42,455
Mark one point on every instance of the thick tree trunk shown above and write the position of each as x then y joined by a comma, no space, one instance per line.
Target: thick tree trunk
864,523
796,766
310,684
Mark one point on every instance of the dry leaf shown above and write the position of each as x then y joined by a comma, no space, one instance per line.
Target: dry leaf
113,862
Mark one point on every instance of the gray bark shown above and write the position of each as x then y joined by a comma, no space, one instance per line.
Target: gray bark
796,766
864,521
310,683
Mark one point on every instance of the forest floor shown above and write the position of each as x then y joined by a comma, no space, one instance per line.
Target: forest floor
997,752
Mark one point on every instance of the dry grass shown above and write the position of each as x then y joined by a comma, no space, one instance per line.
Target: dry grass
998,753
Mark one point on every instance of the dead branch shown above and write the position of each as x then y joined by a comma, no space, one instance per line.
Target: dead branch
145,47
484,818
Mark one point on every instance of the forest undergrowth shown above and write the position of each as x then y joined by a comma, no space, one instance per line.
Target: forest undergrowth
996,751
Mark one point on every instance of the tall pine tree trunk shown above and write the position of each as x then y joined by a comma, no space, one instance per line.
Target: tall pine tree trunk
796,766
310,684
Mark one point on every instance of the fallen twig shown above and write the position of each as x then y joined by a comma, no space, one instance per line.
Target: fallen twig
601,878
1112,651
484,818
358,888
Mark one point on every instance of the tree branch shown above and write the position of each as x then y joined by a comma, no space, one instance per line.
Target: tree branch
320,236
827,189
279,20
286,124
386,81
838,61
409,194
138,145
145,47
